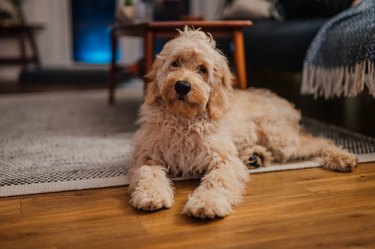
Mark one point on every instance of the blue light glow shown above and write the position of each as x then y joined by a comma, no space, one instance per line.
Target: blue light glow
91,34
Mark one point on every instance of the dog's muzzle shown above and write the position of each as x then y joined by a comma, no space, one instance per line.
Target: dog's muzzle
182,88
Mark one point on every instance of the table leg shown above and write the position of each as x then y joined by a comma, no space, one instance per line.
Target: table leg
34,48
113,69
239,57
149,53
22,44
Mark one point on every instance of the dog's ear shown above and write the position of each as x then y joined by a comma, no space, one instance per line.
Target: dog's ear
225,74
219,99
152,90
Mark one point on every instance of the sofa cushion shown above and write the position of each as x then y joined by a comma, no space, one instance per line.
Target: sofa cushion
279,45
288,9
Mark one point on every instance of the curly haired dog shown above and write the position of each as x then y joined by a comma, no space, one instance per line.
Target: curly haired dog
193,123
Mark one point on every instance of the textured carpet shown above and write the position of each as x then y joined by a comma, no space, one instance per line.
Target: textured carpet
74,140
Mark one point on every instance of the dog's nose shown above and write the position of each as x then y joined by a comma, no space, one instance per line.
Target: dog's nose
182,87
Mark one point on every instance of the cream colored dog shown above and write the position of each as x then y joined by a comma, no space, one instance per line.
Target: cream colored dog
193,123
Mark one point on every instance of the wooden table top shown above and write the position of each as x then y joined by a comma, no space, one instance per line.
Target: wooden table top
20,26
171,26
9,29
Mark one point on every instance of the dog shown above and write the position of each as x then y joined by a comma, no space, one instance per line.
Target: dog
193,122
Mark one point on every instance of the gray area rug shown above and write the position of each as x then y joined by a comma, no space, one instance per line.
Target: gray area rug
63,141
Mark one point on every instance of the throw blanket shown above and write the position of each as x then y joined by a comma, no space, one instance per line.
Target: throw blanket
341,58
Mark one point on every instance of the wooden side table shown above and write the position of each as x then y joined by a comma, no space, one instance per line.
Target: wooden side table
24,34
151,30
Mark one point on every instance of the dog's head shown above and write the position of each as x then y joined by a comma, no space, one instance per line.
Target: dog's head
190,76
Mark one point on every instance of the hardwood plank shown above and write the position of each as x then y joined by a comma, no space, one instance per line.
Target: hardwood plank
10,207
363,178
63,219
311,208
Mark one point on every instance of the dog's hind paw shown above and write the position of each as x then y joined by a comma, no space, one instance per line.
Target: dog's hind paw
255,160
256,156
342,162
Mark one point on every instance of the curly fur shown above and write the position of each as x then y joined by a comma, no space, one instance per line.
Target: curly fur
212,131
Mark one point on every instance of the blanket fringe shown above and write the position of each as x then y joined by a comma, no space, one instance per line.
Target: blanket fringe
338,81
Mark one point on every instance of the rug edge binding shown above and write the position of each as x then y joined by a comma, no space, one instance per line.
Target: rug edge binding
41,188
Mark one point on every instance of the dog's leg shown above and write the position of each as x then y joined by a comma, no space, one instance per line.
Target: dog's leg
333,157
289,145
221,188
149,188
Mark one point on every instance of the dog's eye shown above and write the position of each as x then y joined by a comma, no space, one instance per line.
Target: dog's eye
176,63
202,69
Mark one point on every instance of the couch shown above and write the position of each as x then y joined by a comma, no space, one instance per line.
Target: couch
279,40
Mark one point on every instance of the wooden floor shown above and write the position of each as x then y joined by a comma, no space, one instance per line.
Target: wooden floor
311,208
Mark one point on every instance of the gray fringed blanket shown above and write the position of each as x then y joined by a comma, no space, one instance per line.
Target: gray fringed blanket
341,58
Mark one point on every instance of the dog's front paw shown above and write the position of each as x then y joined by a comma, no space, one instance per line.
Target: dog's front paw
151,200
208,204
343,162
256,156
